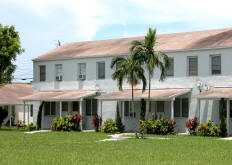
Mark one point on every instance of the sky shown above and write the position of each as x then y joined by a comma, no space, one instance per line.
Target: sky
41,23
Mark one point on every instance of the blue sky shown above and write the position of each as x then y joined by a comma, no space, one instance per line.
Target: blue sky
42,22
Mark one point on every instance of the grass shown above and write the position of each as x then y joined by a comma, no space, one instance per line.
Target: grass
82,148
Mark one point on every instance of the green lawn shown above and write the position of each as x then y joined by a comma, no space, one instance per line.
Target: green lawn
82,148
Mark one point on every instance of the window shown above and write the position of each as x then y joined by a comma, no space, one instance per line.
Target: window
91,107
101,70
181,107
65,106
170,70
177,108
160,106
128,109
82,71
59,72
42,73
75,106
50,108
192,66
31,110
216,64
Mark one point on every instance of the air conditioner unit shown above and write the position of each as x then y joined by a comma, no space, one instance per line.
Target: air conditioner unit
59,78
82,77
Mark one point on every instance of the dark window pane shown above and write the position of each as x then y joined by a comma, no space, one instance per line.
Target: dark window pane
160,106
53,108
177,108
47,108
31,110
185,107
76,106
64,106
216,64
42,73
94,107
126,108
101,70
193,66
88,107
170,70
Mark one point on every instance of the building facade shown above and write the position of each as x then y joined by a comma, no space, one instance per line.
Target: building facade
200,62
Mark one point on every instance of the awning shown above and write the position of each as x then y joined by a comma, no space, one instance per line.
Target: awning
59,96
216,93
10,94
156,94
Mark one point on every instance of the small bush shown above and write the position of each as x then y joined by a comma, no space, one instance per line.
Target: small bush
192,125
22,127
109,126
96,122
161,127
31,127
67,123
208,129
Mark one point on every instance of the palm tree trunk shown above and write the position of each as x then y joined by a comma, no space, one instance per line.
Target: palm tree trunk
133,109
149,95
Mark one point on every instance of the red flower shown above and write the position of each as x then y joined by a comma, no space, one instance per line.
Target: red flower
203,125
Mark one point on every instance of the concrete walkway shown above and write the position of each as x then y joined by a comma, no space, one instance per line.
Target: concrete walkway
32,132
117,137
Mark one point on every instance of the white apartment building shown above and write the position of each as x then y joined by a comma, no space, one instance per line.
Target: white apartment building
76,78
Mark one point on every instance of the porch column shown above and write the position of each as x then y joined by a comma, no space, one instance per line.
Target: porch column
199,110
172,109
28,107
123,113
60,109
228,117
80,110
24,109
10,113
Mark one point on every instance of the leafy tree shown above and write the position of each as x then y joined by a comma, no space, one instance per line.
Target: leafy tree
131,70
10,46
145,53
3,115
119,124
223,130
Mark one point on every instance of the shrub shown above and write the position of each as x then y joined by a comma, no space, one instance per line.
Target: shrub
119,124
192,125
96,122
67,123
109,126
31,127
208,129
20,125
3,115
161,127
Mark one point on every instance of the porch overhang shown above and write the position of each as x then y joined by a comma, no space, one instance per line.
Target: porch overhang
59,96
156,94
216,94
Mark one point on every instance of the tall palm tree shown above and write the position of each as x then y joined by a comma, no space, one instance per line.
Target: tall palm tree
129,69
144,52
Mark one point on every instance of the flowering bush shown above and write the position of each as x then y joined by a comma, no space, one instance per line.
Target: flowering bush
208,129
96,122
67,123
22,127
109,126
192,125
161,127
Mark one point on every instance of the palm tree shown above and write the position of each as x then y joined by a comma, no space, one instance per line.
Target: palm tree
144,52
129,69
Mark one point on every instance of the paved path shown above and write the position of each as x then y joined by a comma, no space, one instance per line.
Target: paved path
32,132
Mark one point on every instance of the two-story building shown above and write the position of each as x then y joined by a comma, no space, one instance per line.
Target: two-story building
76,78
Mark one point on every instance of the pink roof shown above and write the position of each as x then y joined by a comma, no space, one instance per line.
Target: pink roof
156,94
165,42
59,95
10,93
216,93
